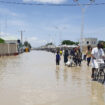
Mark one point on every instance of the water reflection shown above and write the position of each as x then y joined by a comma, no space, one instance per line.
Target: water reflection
65,74
97,94
61,73
57,73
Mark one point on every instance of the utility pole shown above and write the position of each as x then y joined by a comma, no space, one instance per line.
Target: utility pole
0,25
21,32
6,25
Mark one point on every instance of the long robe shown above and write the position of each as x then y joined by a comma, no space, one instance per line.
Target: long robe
66,56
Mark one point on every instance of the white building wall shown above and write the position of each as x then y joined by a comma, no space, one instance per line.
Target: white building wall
8,49
89,41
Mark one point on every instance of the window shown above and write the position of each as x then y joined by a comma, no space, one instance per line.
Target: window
87,42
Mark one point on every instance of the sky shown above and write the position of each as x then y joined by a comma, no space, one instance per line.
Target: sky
44,24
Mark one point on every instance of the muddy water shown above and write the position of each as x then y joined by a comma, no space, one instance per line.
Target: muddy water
34,79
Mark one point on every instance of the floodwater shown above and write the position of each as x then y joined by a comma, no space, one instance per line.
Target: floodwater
33,79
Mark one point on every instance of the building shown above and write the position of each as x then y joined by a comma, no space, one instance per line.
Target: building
10,47
89,41
9,39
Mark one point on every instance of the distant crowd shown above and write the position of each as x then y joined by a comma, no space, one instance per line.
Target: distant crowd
71,56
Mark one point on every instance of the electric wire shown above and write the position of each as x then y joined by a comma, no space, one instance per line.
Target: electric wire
47,4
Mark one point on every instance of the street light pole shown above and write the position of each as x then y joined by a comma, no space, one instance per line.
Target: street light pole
60,33
56,27
83,8
82,28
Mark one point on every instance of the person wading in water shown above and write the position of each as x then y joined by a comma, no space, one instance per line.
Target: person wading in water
57,58
66,56
88,54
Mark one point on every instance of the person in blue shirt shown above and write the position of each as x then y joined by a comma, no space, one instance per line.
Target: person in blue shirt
57,58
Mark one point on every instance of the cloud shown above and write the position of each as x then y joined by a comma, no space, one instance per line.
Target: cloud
16,22
98,32
8,36
35,42
64,28
32,39
46,1
5,11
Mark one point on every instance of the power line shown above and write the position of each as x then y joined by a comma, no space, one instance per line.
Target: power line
41,4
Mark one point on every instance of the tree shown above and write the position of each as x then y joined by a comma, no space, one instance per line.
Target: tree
69,42
49,44
1,40
27,44
30,45
103,42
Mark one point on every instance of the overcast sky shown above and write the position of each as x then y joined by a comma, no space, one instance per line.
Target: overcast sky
43,24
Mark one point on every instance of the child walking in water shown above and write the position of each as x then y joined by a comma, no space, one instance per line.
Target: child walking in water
57,58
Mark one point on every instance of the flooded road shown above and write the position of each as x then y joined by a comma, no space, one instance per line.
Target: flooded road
33,79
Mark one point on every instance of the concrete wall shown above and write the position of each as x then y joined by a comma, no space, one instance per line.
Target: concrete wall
8,49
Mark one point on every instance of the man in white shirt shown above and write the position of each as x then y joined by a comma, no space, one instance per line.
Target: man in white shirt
97,57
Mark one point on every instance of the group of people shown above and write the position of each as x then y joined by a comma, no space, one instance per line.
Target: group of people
70,56
95,55
98,57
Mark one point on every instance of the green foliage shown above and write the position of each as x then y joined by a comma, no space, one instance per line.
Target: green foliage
69,42
2,41
49,44
27,44
103,42
76,43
